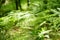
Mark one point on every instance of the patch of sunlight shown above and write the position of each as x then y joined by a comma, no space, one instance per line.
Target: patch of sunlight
7,2
44,32
36,3
27,15
5,20
24,6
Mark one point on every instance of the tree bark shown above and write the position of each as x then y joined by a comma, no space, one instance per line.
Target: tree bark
18,4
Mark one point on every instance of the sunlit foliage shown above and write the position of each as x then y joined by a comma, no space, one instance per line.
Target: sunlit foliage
34,20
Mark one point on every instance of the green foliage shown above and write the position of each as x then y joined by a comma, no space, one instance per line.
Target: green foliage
38,21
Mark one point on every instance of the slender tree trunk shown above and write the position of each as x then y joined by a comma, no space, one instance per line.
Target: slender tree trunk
2,2
18,4
28,3
16,1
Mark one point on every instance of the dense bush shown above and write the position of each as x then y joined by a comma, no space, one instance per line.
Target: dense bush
40,20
